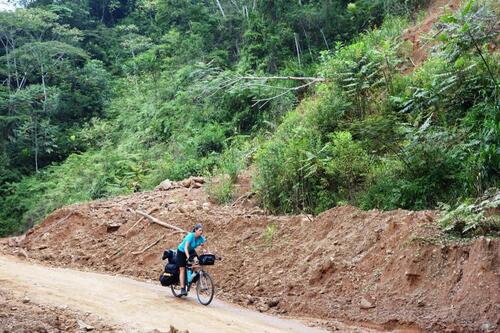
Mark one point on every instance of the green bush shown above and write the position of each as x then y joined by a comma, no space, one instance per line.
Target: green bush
473,219
326,111
346,164
383,189
211,139
379,133
297,172
287,174
220,189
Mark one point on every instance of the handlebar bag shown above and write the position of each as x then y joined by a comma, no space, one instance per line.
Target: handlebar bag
207,259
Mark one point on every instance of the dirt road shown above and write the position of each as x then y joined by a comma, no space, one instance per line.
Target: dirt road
135,306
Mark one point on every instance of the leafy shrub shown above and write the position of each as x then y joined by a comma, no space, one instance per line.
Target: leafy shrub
473,219
220,189
406,7
326,111
297,172
287,179
347,164
210,139
378,133
433,167
384,184
236,157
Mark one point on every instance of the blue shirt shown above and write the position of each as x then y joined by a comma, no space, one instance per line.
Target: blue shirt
193,242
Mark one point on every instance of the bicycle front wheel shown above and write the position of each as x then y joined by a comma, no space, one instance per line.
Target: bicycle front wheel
205,288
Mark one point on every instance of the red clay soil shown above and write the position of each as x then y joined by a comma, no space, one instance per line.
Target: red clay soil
23,316
385,270
416,33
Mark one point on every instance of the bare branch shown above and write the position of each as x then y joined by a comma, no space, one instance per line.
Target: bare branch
267,100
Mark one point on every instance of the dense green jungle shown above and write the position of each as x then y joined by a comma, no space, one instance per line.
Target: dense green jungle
319,100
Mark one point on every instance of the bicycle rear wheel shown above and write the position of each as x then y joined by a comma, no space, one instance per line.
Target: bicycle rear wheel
205,288
176,289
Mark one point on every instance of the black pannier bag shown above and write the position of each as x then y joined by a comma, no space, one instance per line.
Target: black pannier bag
170,276
167,279
207,259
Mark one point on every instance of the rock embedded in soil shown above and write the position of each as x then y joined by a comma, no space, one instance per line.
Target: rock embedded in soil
273,302
263,307
84,326
366,304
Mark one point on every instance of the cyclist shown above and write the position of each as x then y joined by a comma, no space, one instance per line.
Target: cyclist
186,250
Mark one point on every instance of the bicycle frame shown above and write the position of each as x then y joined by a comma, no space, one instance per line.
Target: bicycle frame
196,274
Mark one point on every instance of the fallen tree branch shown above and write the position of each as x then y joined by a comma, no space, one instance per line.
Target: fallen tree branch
267,100
114,255
293,78
157,221
139,220
243,197
149,246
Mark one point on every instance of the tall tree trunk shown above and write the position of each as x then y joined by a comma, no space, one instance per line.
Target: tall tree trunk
297,47
220,8
44,110
324,39
105,3
308,42
9,75
35,134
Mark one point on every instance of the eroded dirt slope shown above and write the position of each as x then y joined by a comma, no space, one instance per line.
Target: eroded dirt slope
386,270
421,35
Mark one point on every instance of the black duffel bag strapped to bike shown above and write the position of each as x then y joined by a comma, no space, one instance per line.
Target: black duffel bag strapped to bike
206,259
170,255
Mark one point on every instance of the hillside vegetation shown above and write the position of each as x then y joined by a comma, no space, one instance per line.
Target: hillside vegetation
100,98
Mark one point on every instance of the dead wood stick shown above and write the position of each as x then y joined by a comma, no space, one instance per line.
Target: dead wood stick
104,206
411,60
149,246
139,220
119,249
244,196
157,221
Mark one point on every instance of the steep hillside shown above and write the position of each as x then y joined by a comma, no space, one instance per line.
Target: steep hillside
385,270
339,91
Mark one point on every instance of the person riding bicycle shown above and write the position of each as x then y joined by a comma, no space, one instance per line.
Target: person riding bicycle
186,251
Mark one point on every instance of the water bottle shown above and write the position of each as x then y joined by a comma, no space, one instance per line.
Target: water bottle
189,275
